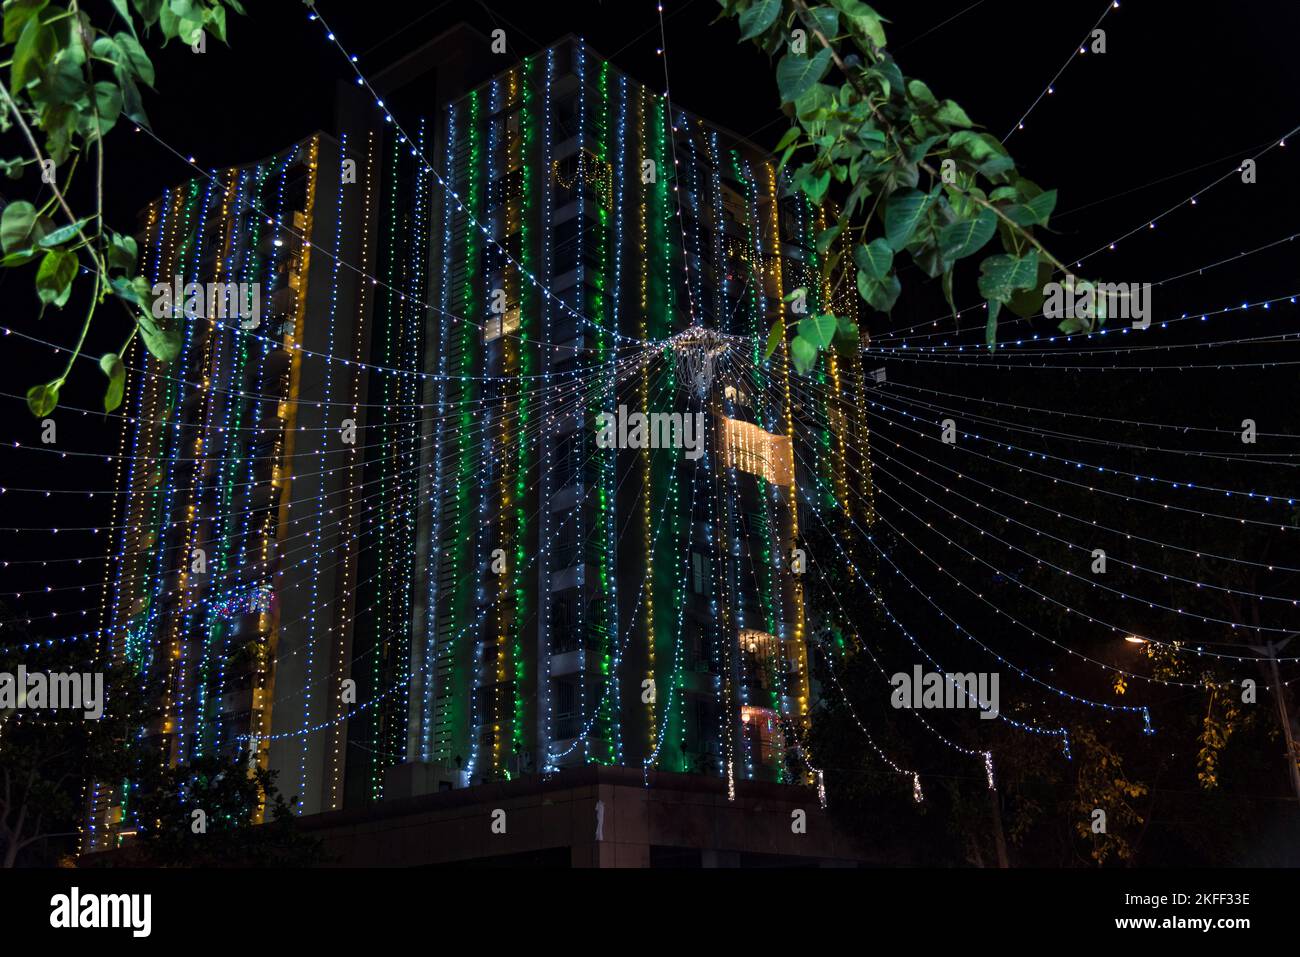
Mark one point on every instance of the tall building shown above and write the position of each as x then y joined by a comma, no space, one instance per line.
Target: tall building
634,606
400,532
243,503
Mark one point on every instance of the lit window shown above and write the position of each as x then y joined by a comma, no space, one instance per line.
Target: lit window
498,326
734,394
747,447
759,726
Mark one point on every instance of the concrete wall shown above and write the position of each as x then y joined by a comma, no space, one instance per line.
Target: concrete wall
679,820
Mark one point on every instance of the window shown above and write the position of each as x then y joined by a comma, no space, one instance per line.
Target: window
759,726
737,394
760,654
702,647
497,326
568,549
566,710
701,573
706,728
747,447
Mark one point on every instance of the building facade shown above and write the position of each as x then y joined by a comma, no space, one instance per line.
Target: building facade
374,539
241,505
631,605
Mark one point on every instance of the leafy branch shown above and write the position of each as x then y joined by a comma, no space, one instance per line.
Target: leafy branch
68,84
876,134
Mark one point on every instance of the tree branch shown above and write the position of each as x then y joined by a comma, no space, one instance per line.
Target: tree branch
40,158
805,16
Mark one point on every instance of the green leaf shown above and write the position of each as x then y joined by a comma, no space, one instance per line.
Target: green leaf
947,291
919,92
758,18
132,104
812,184
108,105
967,236
826,20
875,258
785,157
217,18
42,399
795,75
861,19
813,108
1001,276
794,294
16,225
887,71
775,338
1026,189
65,82
903,213
54,277
134,58
978,146
880,295
163,344
826,237
17,13
918,151
61,235
111,363
928,255
1027,303
996,166
791,135
20,258
124,12
190,16
36,47
60,122
952,114
804,354
989,156
122,252
148,10
168,21
136,291
1034,212
991,327
819,330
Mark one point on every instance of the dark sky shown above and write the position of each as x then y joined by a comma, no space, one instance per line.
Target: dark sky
1174,89
1178,98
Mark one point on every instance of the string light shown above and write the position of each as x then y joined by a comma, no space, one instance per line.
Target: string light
482,428
472,219
1050,88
